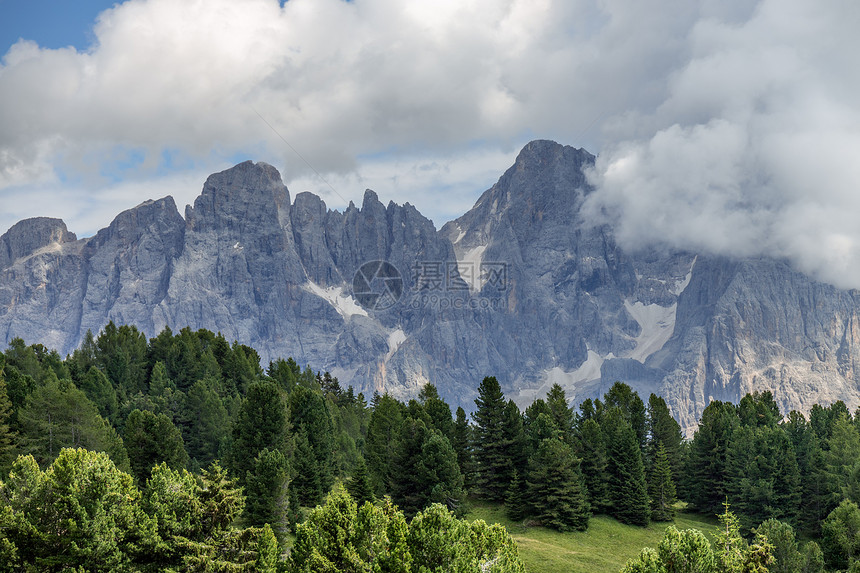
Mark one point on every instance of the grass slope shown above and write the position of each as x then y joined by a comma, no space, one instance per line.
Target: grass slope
604,548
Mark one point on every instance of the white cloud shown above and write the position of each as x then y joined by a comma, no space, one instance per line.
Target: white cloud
728,126
754,150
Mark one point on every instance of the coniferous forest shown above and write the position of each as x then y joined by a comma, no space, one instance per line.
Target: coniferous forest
180,453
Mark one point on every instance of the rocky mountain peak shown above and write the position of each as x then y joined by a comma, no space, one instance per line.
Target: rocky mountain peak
370,198
247,194
159,217
541,154
28,236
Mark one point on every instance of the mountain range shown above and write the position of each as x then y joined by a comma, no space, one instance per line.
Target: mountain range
523,287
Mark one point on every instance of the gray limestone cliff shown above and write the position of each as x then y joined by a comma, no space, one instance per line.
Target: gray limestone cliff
522,287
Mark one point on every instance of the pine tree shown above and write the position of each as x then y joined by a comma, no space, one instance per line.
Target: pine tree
812,558
664,429
438,411
262,423
556,491
221,500
730,546
359,486
309,413
706,473
786,553
661,487
632,409
7,434
98,389
383,431
151,439
628,488
59,415
560,411
307,482
591,444
266,492
494,467
425,470
206,422
841,535
462,443
516,506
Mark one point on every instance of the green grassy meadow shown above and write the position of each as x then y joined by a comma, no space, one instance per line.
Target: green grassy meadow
604,548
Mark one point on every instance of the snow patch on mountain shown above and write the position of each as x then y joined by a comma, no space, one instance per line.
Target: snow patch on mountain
344,304
656,323
395,339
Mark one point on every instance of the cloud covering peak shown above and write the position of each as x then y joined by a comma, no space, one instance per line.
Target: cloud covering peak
754,150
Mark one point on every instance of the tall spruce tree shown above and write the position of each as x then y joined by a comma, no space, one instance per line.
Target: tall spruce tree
561,412
707,475
206,422
438,411
262,423
759,409
556,491
151,439
592,449
843,452
628,488
309,413
359,486
98,389
517,506
425,469
7,434
814,501
664,429
462,444
307,482
661,487
383,432
266,492
515,437
754,466
632,408
494,466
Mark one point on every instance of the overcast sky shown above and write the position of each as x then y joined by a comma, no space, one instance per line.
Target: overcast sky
724,126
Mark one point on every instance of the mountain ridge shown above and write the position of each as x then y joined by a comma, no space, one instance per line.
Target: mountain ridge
521,286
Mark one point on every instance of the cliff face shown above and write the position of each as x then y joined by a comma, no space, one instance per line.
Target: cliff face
521,287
